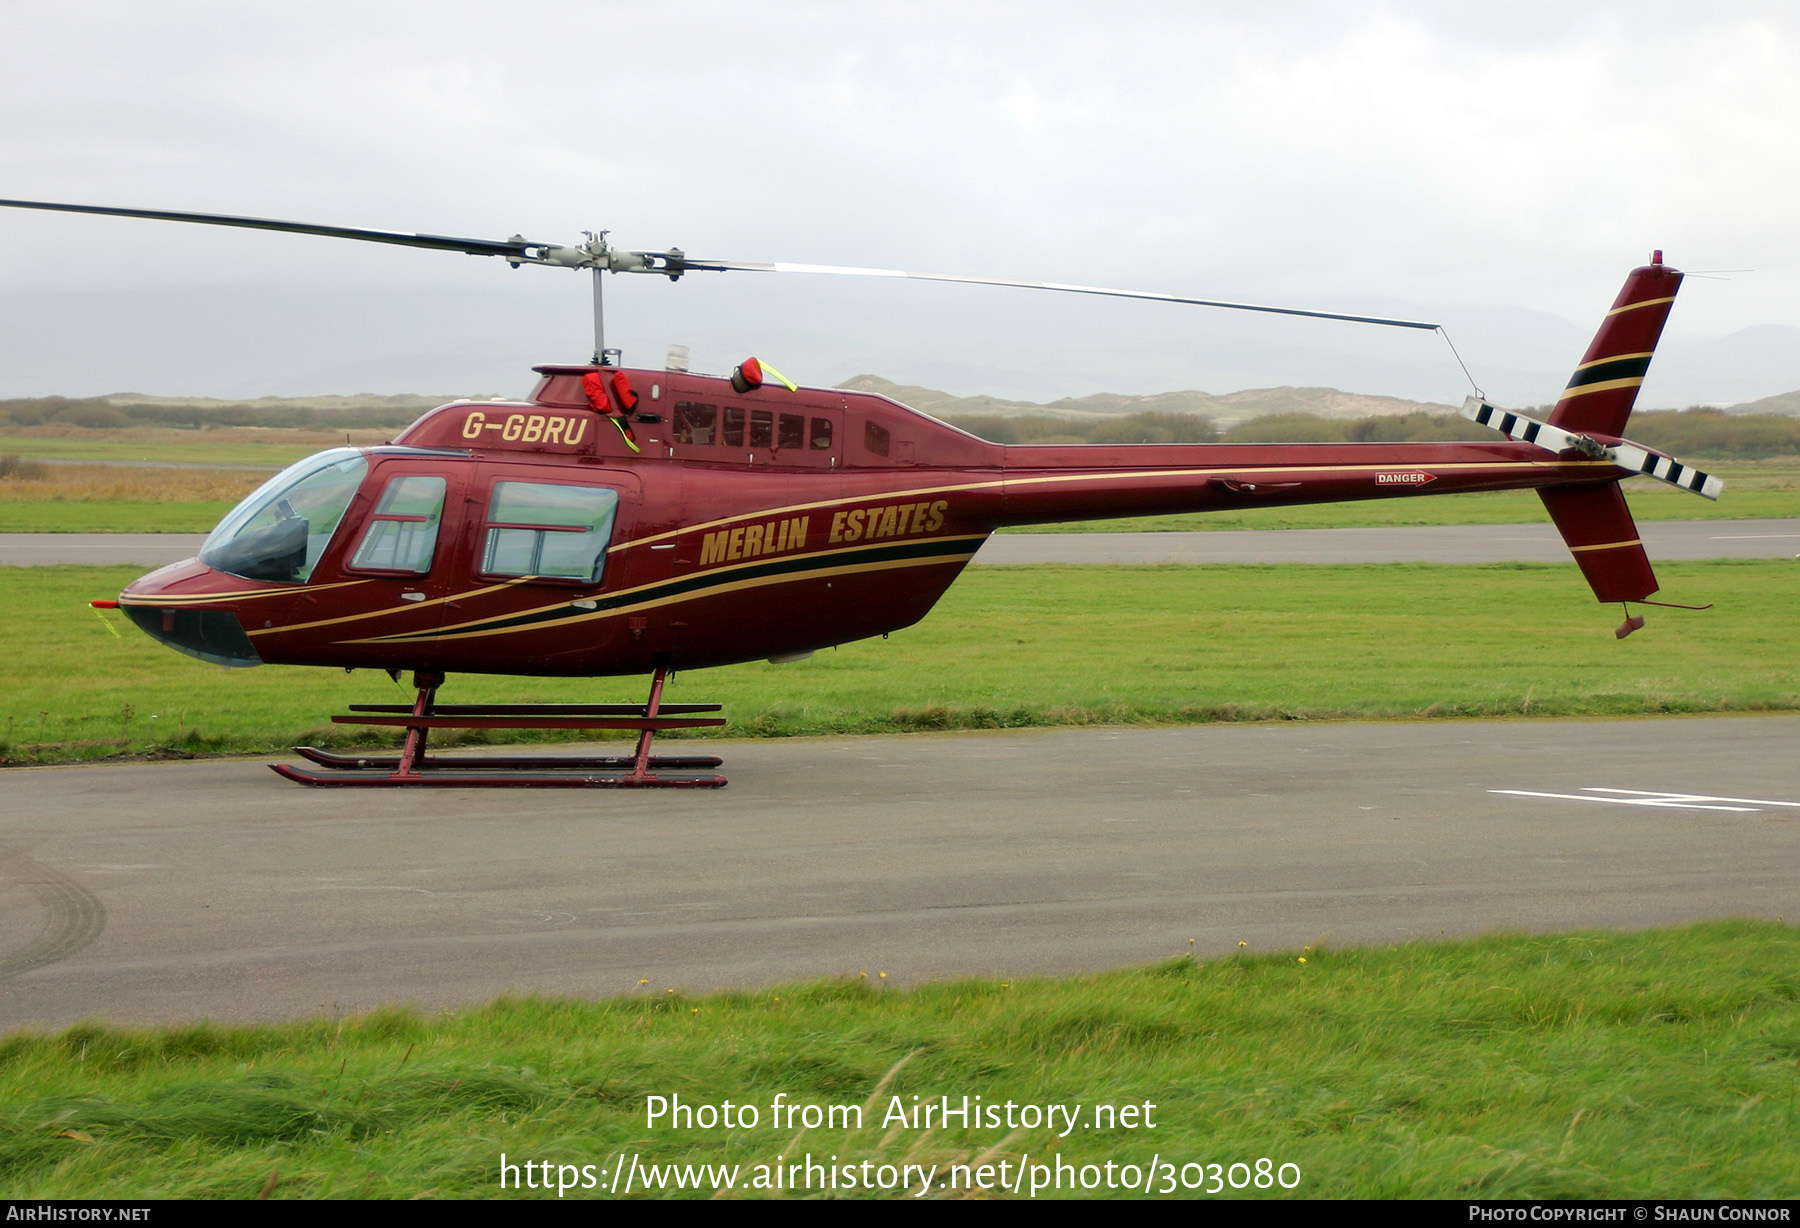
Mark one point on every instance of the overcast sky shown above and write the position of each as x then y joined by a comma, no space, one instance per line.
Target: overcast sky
1495,166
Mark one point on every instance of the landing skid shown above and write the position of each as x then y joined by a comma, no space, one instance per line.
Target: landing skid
413,767
440,779
489,763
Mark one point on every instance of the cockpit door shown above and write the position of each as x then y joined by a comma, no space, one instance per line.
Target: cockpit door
394,568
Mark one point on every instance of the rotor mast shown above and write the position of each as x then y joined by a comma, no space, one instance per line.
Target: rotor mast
601,357
596,255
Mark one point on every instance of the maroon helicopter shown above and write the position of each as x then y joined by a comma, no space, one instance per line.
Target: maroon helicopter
637,521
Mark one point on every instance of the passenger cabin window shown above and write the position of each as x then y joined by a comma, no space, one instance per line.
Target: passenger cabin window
695,423
403,531
554,532
762,429
783,438
876,438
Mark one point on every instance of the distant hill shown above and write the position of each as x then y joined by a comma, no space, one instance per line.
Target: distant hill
1226,410
366,401
1783,403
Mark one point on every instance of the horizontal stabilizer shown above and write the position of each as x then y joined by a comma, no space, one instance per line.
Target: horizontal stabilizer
1600,533
1667,469
1518,426
1635,457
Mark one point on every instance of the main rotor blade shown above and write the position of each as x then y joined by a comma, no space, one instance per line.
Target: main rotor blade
511,249
725,266
671,263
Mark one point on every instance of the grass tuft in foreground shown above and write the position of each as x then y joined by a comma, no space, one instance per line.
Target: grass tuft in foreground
1588,1065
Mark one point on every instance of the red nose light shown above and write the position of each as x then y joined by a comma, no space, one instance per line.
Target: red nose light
104,605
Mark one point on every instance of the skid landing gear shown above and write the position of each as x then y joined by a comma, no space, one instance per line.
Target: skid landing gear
412,766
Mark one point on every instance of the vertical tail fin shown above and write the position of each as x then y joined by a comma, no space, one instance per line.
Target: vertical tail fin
1598,528
1604,388
1594,520
1592,516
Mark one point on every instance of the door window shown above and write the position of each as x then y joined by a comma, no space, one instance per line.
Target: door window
403,531
555,532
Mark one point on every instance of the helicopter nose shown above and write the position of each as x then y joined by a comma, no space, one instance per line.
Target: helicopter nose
180,605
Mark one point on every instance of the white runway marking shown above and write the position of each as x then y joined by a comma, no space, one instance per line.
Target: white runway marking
1641,797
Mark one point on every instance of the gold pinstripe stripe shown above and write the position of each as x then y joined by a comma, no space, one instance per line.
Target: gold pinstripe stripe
716,590
476,592
1605,385
977,538
856,501
858,548
1601,362
1636,541
239,594
1649,302
391,609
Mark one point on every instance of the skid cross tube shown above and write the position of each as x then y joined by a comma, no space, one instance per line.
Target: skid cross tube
413,766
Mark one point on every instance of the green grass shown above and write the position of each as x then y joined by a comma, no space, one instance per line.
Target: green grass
1008,647
110,517
166,446
1591,1065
